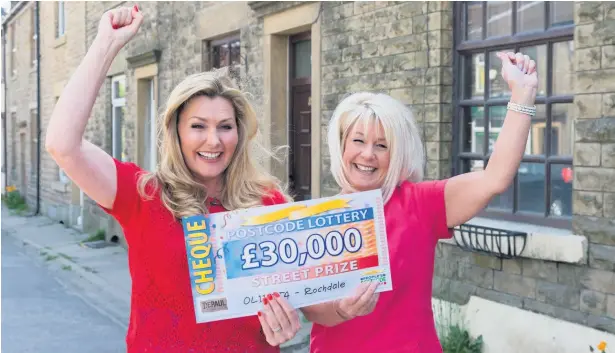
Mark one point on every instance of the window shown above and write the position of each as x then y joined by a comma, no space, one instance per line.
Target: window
118,109
60,20
33,141
149,126
33,37
13,51
542,191
226,53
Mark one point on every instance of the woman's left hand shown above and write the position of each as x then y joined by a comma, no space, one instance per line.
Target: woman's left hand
518,70
279,320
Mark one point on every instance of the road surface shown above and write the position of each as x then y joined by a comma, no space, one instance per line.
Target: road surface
41,314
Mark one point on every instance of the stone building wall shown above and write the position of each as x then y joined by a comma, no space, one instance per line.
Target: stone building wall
21,104
581,291
399,48
60,56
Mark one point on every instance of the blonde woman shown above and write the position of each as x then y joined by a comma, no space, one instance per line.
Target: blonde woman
374,143
206,136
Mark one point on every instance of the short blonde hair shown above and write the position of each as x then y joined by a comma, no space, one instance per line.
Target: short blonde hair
245,181
407,155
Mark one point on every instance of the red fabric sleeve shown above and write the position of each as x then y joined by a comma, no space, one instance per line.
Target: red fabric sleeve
432,199
127,201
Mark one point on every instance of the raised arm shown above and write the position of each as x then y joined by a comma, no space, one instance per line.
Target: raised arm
468,194
91,168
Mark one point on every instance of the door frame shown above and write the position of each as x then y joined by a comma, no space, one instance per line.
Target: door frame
294,82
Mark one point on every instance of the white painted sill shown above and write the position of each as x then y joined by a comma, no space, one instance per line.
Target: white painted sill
543,243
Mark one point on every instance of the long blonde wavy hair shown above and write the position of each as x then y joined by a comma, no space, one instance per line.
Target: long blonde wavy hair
244,181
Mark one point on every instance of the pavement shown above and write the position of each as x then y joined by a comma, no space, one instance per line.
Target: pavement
100,274
42,314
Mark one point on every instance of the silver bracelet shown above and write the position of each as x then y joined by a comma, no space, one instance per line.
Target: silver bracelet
523,109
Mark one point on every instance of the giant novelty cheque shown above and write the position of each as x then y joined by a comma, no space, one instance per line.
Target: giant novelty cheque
309,251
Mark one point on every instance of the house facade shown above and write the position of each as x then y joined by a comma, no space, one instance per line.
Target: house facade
547,245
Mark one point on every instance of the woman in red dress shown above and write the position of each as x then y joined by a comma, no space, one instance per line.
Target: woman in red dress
374,143
206,132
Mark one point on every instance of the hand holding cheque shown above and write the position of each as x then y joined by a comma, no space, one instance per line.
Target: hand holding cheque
306,252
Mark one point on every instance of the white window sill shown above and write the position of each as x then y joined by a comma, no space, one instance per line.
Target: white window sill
543,243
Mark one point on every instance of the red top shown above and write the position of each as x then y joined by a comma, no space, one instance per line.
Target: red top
162,317
403,319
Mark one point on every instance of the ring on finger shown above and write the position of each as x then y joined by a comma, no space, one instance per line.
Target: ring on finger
277,329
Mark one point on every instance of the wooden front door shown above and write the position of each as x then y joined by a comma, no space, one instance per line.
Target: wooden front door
300,122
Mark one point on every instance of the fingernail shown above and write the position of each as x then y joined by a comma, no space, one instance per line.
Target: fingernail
114,26
276,294
260,314
265,301
136,8
269,297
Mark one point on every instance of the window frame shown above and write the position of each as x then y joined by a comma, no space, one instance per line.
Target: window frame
60,19
115,124
219,42
466,48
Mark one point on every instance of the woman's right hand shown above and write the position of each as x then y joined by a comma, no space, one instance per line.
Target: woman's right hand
362,303
118,26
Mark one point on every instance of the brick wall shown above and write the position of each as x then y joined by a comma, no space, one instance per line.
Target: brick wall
578,293
59,58
399,48
20,100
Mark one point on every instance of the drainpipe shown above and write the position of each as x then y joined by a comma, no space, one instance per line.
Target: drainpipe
4,118
38,108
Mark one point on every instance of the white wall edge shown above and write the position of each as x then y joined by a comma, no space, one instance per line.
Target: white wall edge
508,329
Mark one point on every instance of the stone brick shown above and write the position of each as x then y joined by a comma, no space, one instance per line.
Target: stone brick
595,81
593,302
602,257
608,104
411,9
597,230
583,34
587,154
586,278
546,270
608,56
593,179
609,10
588,12
588,106
608,208
555,311
399,28
558,294
446,268
601,323
499,297
487,261
482,277
460,292
351,53
587,59
587,203
514,284
610,306
361,7
513,266
608,155
595,130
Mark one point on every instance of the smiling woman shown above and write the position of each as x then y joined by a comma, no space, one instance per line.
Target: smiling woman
206,137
